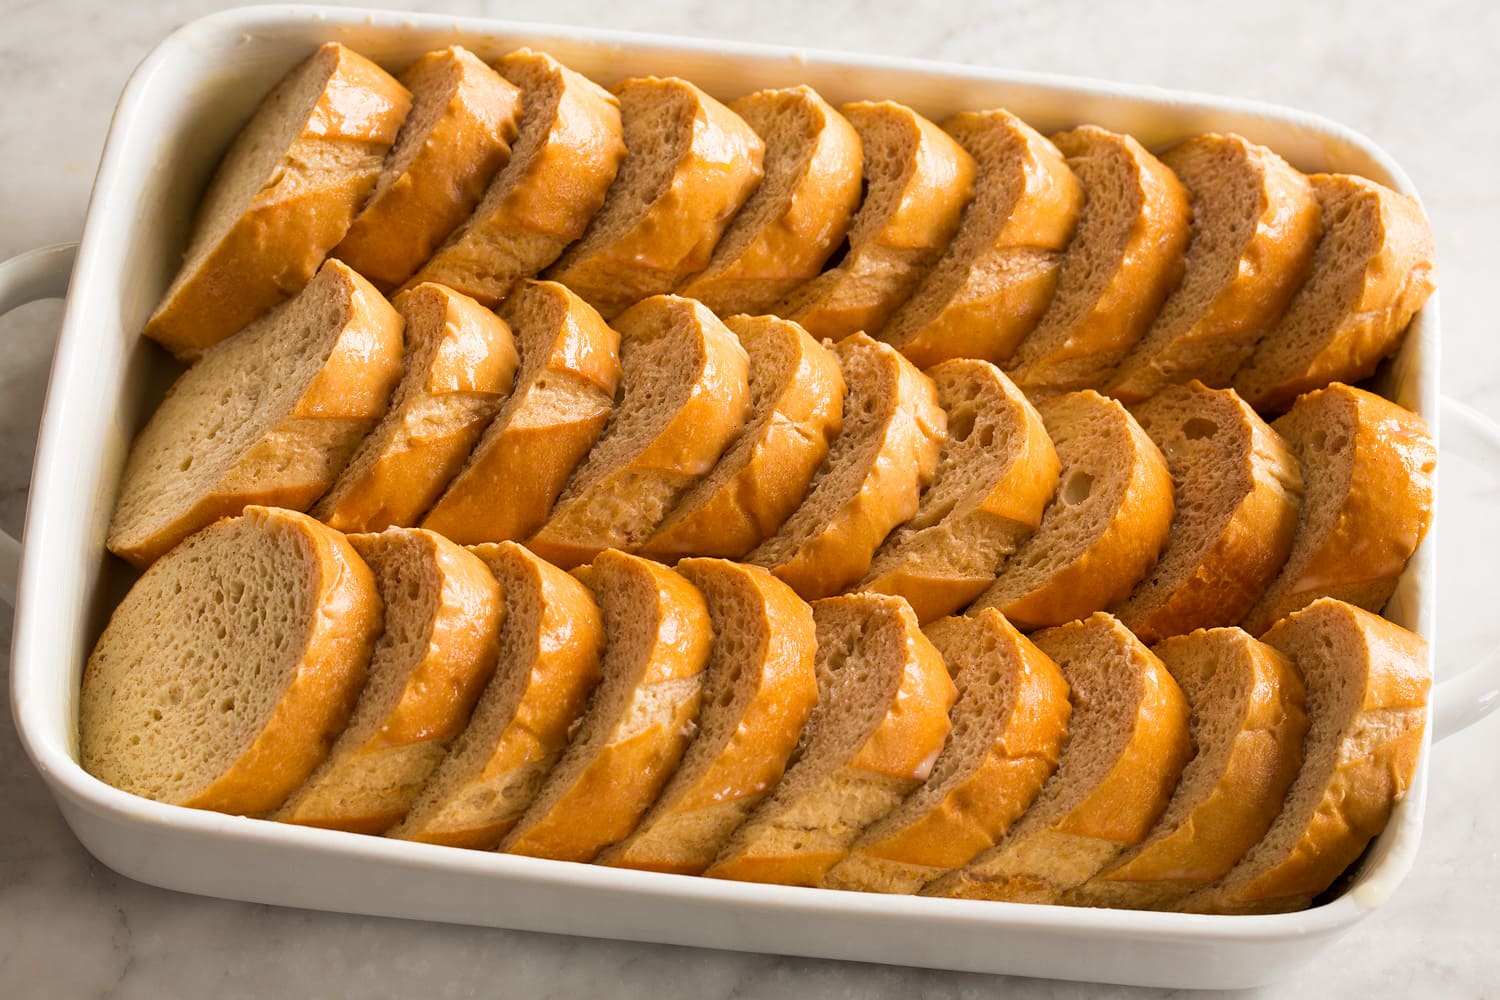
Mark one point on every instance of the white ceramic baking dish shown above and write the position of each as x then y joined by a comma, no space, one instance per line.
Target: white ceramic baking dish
176,115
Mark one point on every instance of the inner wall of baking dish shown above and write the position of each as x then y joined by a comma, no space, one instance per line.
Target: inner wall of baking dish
190,98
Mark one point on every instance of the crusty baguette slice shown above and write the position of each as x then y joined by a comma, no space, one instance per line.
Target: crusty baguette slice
880,722
1367,684
686,398
1368,467
269,416
640,720
550,644
997,276
1237,488
1009,724
996,473
1124,260
799,213
458,134
1371,272
758,689
283,195
460,363
443,611
797,407
872,478
231,666
1127,745
1247,725
563,395
562,162
917,182
1105,526
1255,224
689,166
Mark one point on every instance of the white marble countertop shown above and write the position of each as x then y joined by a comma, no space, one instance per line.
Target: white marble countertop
1419,78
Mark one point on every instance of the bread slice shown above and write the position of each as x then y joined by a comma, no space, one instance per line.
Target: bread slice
1247,725
282,196
1104,528
1255,224
917,182
463,119
550,644
997,276
563,395
686,398
1127,745
880,722
460,363
689,166
798,214
1124,260
1368,465
1367,686
1237,489
641,717
996,473
872,478
443,611
1009,724
796,408
758,689
269,417
1371,272
231,666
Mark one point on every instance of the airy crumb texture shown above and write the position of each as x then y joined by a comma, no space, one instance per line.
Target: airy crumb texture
1367,686
231,666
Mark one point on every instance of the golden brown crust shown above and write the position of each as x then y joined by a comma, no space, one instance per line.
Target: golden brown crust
276,246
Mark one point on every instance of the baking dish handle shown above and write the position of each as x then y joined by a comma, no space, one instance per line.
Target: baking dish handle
1465,698
36,274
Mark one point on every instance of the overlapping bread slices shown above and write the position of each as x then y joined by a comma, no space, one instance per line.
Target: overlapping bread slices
996,473
798,214
269,416
564,158
231,666
563,395
686,398
1248,723
1105,526
282,196
640,719
1127,745
997,276
758,689
1371,272
1367,684
871,480
443,612
550,644
1367,465
460,364
689,166
881,720
917,182
1255,224
1124,260
1237,490
1009,723
463,119
797,407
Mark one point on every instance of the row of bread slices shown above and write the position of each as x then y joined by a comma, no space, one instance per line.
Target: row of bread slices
1079,262
706,720
838,467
